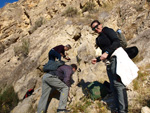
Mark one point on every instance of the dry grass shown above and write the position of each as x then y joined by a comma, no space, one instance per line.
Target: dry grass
23,50
70,12
32,110
108,6
38,23
79,19
139,8
139,57
86,104
142,76
141,85
90,7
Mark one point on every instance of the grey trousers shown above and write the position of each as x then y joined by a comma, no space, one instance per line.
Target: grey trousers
49,82
117,87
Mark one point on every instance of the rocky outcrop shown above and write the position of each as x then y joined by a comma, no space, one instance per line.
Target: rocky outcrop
42,24
145,110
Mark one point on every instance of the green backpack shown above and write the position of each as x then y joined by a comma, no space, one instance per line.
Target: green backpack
96,90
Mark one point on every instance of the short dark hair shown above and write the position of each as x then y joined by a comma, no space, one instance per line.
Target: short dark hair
94,22
74,66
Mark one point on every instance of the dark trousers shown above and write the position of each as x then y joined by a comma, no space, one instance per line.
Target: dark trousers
54,54
118,89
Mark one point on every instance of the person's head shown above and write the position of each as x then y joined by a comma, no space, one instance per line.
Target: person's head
96,26
67,47
74,67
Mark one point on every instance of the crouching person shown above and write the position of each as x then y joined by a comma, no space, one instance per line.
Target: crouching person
61,81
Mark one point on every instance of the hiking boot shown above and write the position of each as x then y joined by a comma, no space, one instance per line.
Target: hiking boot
63,111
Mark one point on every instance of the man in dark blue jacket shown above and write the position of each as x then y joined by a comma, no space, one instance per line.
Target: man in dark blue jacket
108,43
61,81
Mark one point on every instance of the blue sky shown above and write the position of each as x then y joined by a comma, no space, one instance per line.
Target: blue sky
3,2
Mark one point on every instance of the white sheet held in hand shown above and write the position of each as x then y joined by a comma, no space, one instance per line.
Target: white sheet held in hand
126,68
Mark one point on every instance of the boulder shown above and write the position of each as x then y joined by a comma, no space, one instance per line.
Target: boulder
145,109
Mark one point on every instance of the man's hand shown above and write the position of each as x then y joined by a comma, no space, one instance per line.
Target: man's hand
94,61
104,56
67,58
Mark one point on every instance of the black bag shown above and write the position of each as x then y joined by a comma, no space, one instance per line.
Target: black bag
52,65
132,51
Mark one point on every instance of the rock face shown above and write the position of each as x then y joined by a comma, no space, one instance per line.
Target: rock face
145,110
29,29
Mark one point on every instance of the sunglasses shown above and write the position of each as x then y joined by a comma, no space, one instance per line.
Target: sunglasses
95,27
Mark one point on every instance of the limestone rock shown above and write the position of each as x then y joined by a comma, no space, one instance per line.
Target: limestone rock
145,110
24,106
41,22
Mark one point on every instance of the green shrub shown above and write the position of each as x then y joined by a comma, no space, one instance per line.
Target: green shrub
81,106
70,12
86,103
134,109
38,23
135,85
25,47
102,107
8,100
22,50
90,6
144,99
139,8
138,58
141,86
